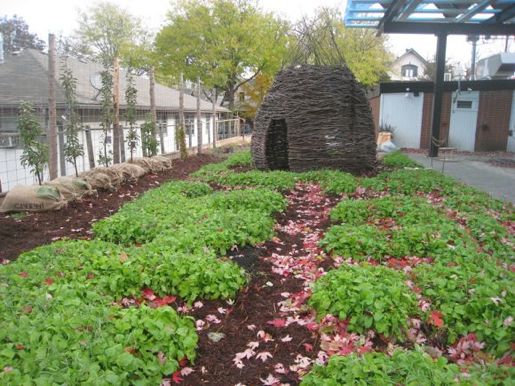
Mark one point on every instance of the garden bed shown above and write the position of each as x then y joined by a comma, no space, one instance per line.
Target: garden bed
24,231
403,277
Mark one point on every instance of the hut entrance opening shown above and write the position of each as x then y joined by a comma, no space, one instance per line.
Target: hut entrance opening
277,145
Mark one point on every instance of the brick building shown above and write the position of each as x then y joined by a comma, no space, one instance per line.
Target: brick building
476,115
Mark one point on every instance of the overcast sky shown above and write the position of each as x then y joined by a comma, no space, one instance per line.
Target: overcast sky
59,17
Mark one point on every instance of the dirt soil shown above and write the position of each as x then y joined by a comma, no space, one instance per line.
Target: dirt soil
268,335
23,232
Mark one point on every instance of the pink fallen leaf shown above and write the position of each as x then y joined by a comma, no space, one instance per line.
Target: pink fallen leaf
280,369
278,323
186,371
287,338
213,319
308,347
253,345
270,380
264,356
198,304
221,310
251,327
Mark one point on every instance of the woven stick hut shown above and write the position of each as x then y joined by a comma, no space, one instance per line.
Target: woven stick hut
314,117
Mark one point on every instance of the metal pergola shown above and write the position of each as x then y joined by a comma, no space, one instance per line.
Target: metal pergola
436,17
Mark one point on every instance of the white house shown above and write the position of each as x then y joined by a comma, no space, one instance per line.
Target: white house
409,66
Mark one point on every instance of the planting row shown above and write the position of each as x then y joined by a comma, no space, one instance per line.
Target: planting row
92,307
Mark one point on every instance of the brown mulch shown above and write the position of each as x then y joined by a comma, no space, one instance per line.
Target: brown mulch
20,233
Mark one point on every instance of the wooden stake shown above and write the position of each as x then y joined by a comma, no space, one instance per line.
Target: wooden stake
52,111
116,107
214,118
199,120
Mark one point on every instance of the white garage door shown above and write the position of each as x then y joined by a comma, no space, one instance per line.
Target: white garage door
403,111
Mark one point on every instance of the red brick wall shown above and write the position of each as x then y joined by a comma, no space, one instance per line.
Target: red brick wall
375,105
493,120
427,117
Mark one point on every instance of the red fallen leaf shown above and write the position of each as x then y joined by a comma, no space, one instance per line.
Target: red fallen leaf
90,276
183,362
49,281
165,300
148,294
176,377
308,347
312,326
436,318
278,323
23,274
20,347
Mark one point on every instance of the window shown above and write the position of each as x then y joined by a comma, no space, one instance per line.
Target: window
189,123
242,96
409,71
464,104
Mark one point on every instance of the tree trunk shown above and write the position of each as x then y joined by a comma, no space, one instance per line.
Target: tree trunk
52,111
116,107
153,110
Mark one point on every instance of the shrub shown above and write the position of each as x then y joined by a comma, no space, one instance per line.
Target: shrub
356,241
369,297
240,158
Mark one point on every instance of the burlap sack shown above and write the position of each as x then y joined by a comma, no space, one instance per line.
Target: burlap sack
98,179
143,163
152,165
72,188
115,175
130,172
33,198
165,161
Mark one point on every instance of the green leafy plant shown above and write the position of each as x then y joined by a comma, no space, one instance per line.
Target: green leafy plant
180,140
401,368
398,160
73,149
149,141
35,152
106,101
131,94
473,294
369,297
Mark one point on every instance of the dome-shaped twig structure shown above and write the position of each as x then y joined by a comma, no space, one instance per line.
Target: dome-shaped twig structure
314,117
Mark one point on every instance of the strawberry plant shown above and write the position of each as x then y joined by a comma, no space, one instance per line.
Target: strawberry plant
47,341
375,368
118,272
398,160
473,294
240,158
368,297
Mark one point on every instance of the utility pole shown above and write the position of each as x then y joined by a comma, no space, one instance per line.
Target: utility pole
473,39
52,110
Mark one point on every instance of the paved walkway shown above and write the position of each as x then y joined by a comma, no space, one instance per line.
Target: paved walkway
497,181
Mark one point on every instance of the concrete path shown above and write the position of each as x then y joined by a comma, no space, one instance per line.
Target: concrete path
497,181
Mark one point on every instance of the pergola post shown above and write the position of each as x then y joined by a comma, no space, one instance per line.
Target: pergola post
441,46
